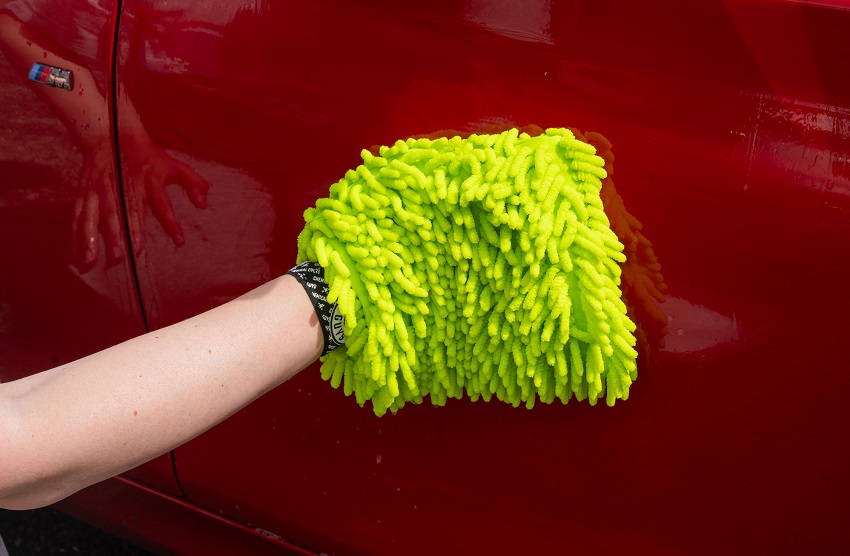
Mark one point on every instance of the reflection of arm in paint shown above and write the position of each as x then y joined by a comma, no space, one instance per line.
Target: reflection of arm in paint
84,112
81,112
157,170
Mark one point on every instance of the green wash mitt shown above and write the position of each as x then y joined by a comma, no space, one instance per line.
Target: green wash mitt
483,264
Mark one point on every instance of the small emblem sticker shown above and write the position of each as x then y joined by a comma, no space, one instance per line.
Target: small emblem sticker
55,77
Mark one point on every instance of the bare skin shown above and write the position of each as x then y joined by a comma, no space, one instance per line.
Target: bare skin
78,424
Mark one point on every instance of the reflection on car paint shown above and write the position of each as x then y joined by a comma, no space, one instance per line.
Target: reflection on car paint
731,126
642,282
66,286
696,328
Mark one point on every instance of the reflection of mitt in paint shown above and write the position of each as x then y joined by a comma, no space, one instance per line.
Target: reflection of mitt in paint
484,265
643,284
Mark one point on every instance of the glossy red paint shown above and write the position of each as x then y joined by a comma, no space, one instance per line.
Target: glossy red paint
67,286
730,144
165,524
730,122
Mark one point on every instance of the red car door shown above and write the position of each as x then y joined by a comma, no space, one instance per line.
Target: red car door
731,189
67,286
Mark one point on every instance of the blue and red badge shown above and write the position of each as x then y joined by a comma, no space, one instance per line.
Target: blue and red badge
55,77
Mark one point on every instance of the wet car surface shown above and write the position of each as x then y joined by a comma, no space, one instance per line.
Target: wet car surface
730,125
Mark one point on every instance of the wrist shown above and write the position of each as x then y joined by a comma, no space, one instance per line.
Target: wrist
311,276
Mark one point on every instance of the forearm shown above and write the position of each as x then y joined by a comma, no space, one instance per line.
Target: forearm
106,413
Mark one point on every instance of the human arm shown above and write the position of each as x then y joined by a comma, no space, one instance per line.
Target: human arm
75,425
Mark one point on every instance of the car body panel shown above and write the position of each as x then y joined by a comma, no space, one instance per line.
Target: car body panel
730,123
730,150
165,524
57,154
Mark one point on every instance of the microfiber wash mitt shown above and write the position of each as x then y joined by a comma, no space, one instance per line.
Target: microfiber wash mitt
484,264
